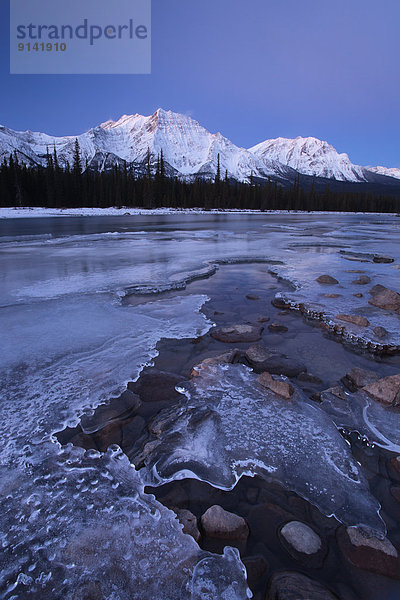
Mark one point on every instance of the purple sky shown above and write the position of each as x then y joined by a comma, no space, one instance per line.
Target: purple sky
252,70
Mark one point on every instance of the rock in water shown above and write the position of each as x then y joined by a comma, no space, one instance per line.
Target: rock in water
289,585
262,359
379,258
188,521
327,279
362,280
386,390
354,319
358,378
277,328
303,544
219,523
385,298
369,552
238,333
281,388
380,332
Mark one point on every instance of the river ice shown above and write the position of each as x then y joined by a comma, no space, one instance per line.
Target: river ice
69,343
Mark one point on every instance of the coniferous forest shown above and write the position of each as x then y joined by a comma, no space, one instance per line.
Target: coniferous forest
76,185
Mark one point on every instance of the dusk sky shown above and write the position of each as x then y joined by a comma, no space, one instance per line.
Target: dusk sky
251,70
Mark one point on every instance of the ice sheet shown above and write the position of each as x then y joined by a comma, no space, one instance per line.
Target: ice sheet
229,426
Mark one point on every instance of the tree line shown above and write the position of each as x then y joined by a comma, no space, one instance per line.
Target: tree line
76,185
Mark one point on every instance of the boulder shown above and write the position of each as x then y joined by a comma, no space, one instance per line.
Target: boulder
354,319
277,328
303,544
369,552
219,523
358,378
362,280
263,359
386,390
289,585
237,333
385,298
281,388
188,521
379,258
327,280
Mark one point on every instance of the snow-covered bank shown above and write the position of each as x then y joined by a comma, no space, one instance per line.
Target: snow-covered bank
23,212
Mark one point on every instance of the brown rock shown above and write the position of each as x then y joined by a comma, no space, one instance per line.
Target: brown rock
263,319
362,280
369,552
156,386
332,295
230,357
188,521
237,333
354,319
252,297
395,491
277,328
281,388
385,298
290,585
358,295
262,359
219,523
327,280
386,390
359,378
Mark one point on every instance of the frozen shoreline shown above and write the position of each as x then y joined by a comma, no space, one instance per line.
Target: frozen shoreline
16,213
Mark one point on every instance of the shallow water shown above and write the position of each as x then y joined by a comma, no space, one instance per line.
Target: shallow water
70,342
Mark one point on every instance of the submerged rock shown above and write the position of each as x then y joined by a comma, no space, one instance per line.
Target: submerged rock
289,585
369,552
237,333
327,279
358,378
362,280
277,328
385,298
380,332
252,297
354,319
386,390
256,567
379,258
188,521
156,386
261,359
281,388
219,523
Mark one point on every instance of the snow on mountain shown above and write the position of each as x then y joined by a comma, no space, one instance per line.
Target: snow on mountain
388,172
189,151
310,156
188,148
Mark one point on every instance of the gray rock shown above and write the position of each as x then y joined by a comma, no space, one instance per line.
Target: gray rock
238,333
289,585
277,328
358,378
301,537
380,332
362,280
219,523
262,359
327,280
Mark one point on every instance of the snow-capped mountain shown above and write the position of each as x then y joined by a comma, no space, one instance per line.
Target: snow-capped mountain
310,156
188,148
385,171
191,151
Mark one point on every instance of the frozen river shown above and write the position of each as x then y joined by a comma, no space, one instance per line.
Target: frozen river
69,342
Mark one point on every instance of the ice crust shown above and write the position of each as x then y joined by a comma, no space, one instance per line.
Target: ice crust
69,518
229,426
